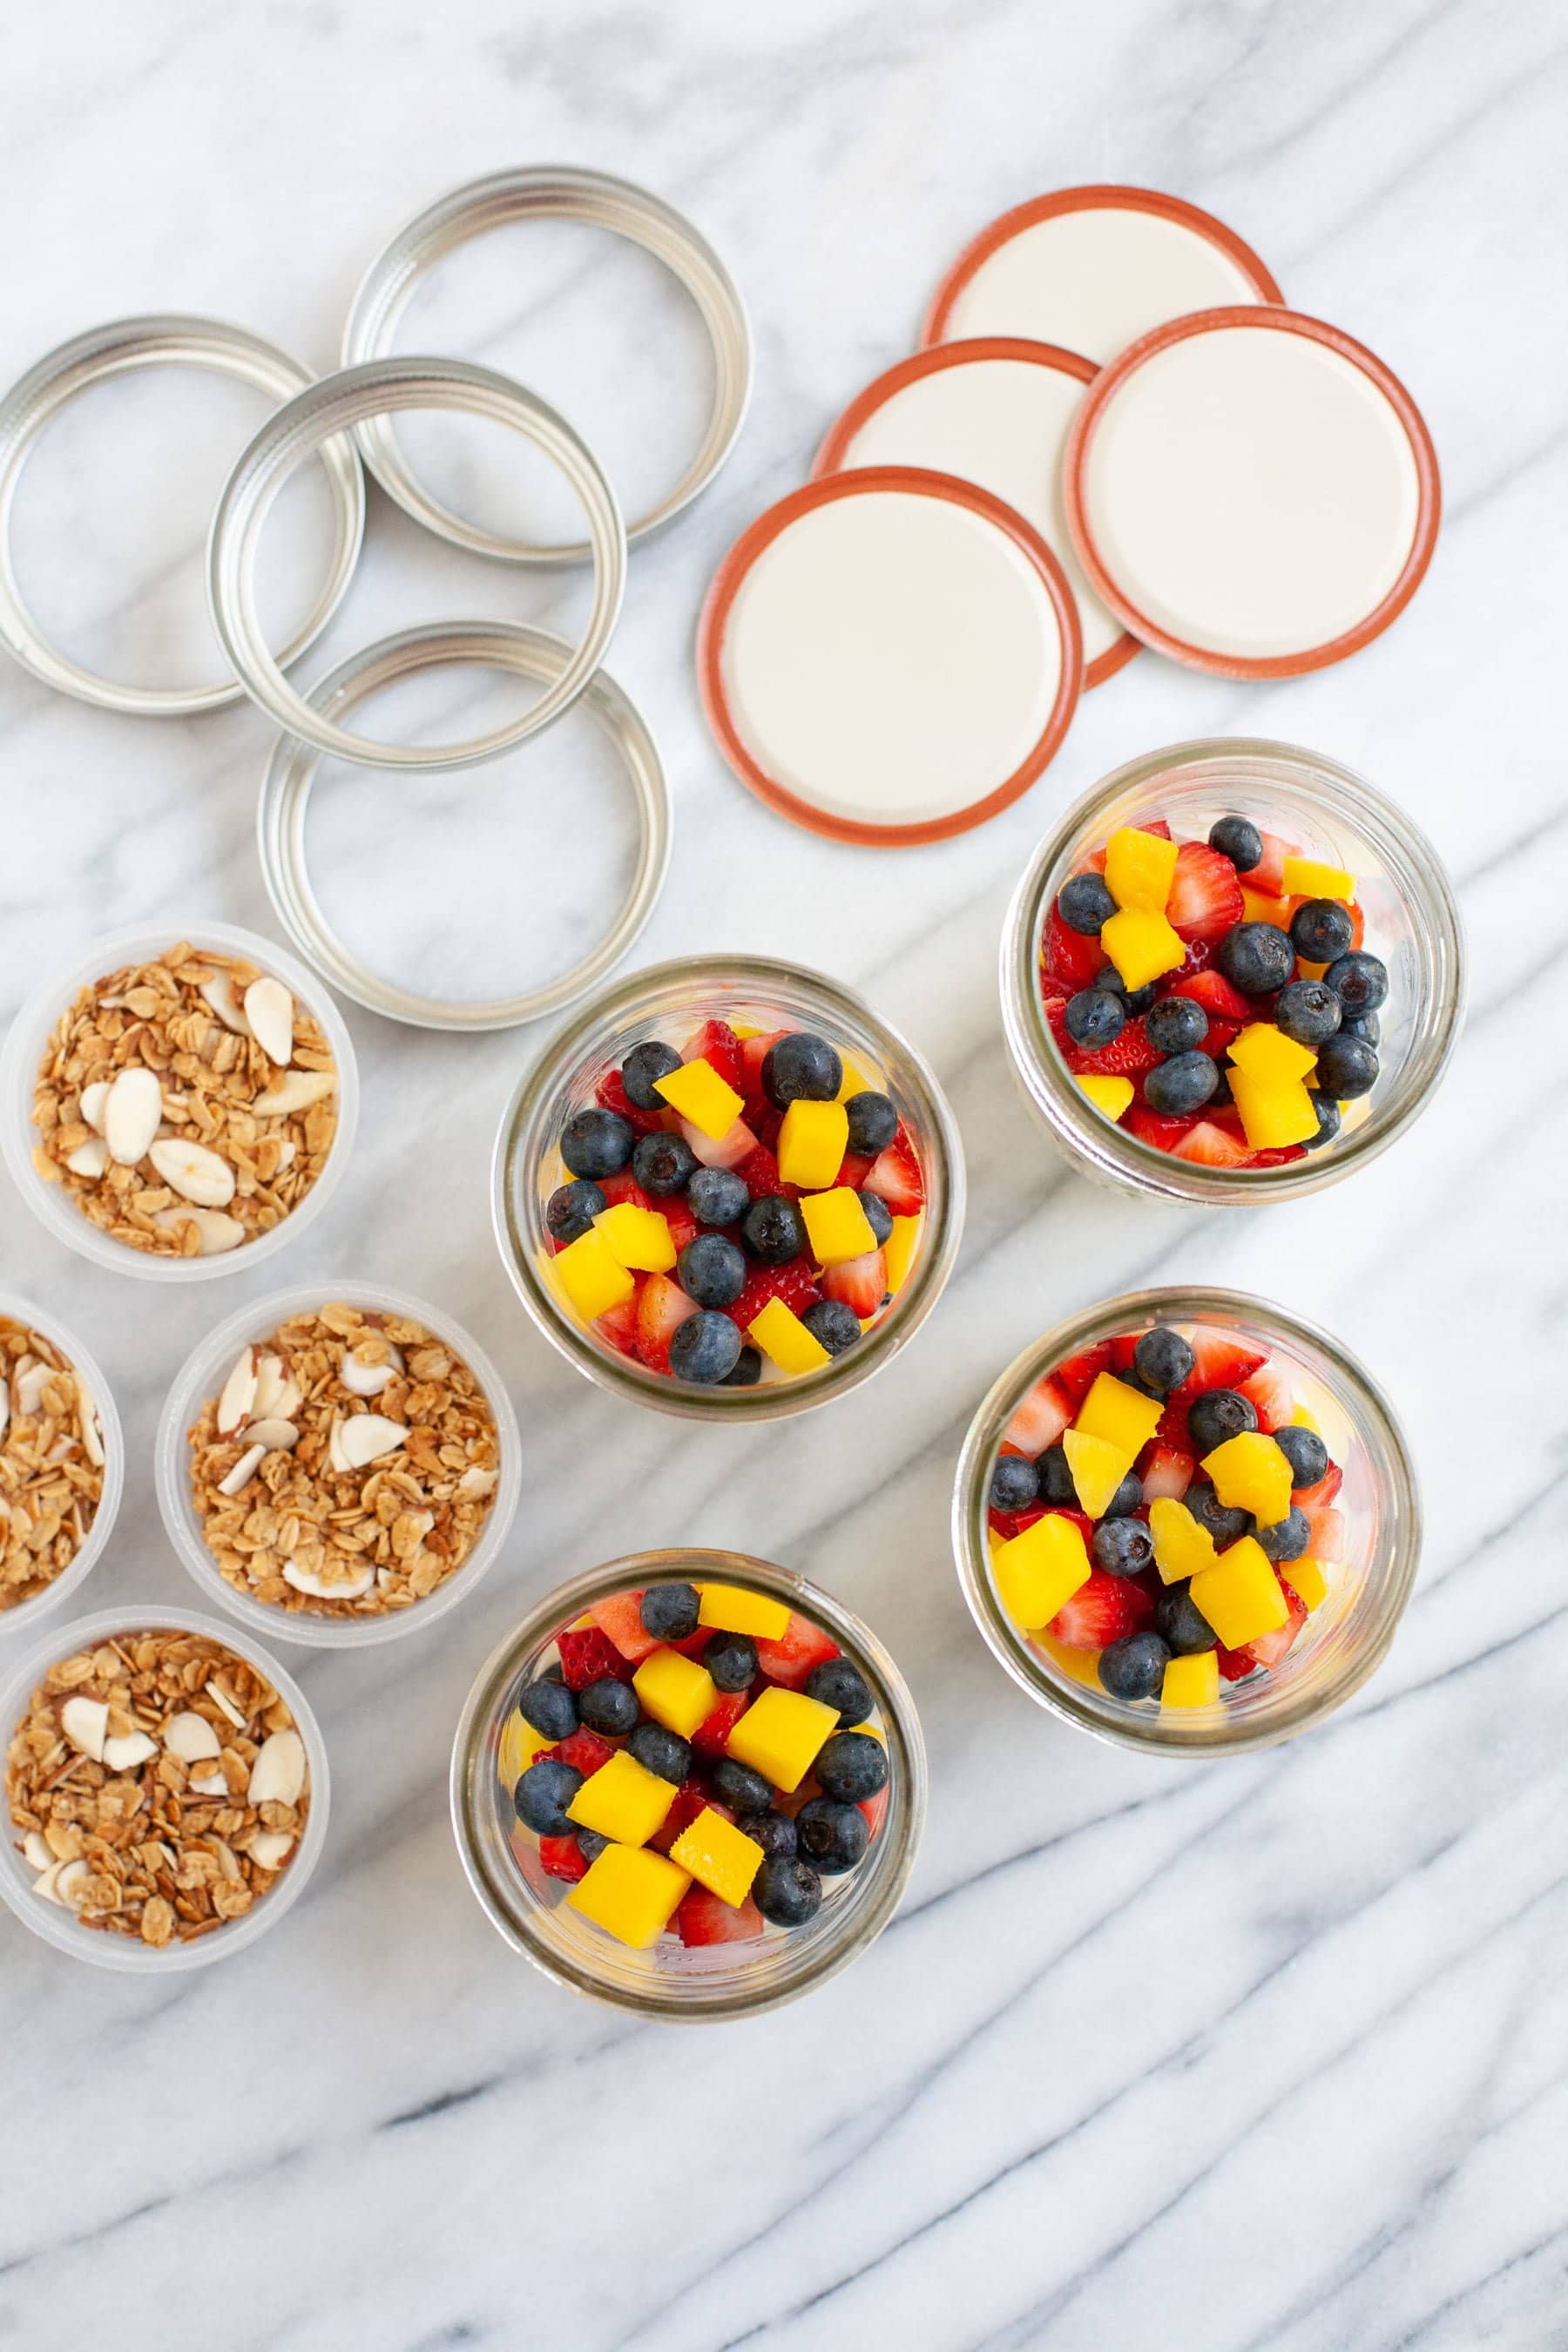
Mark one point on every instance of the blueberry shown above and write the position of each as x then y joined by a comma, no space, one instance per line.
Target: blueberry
663,1163
717,1196
732,1660
642,1066
706,1347
1181,1623
1238,838
837,1683
746,1371
786,1890
774,1229
572,1209
1308,1011
1175,1025
1222,1093
668,1611
772,1830
663,1753
1163,1360
1122,1547
1221,1520
831,1837
801,1067
609,1708
1305,1451
1360,981
1095,1019
549,1706
1347,1066
1135,1666
1055,1478
1257,958
1328,1112
1365,1025
1133,1002
595,1142
852,1767
590,1845
1085,903
1286,1539
712,1270
832,1324
743,1790
1219,1415
1128,1498
1321,929
1015,1482
873,1123
878,1216
542,1796
1182,1083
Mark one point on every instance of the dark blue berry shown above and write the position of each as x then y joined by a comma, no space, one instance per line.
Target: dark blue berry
1223,1521
834,1325
1015,1482
1163,1360
1347,1066
774,1229
590,1845
596,1143
643,1065
1238,838
712,1270
668,1611
1321,929
786,1890
1177,1024
1133,1001
1360,981
732,1660
663,1163
542,1796
663,1753
878,1216
1305,1451
1219,1415
1181,1084
1257,958
833,1836
852,1767
873,1123
1095,1019
1056,1477
836,1684
801,1067
717,1196
772,1830
1328,1112
1364,1025
1122,1547
1135,1666
746,1372
1127,1497
1286,1539
1222,1093
706,1347
1181,1623
609,1708
743,1790
1085,904
1309,1010
572,1209
549,1706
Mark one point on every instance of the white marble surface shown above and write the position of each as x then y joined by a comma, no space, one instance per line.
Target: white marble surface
1270,2053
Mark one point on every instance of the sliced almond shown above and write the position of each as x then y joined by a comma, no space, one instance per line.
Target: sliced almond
32,1379
214,1232
276,1436
277,1775
225,1704
237,1480
366,1437
272,1382
217,990
194,1172
47,1882
88,1423
295,1092
270,1848
89,1158
337,1460
227,1859
93,1098
269,1009
85,1723
369,1380
209,1783
475,1482
5,1407
237,1402
342,1587
125,1755
35,1851
132,1113
191,1737
71,1882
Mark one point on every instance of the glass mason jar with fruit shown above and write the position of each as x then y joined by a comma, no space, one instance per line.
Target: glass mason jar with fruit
1232,973
689,1784
1188,1521
728,1190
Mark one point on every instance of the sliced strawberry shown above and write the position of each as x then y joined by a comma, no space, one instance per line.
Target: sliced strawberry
1068,957
1269,1390
1165,1470
1152,1127
588,1656
801,1646
853,1169
612,1094
621,1619
793,1283
1270,1648
860,1283
1077,1375
623,1186
1319,1497
683,1226
1220,1036
1268,876
1328,1537
758,1172
1208,1146
1104,1610
753,1053
618,1329
767,1124
1235,1665
1205,894
896,1175
1223,1362
703,1918
1004,1525
875,1809
1040,1419
717,1044
1280,1156
1130,1055
584,1751
689,1800
711,1736
1123,1348
1156,824
662,1307
563,1857
1215,994
726,1151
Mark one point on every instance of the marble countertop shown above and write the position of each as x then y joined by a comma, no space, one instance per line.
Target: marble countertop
1268,2054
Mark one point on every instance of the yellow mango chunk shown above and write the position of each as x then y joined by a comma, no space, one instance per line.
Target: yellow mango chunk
856,1082
1141,945
1097,1468
1111,1095
1308,1582
517,1745
1273,1114
1306,878
835,1224
1191,1682
812,1143
1078,1665
899,1252
1120,1415
1257,907
785,1339
675,1690
1266,1053
592,1276
721,1857
1240,1595
1303,1418
1181,1548
631,1894
781,1736
730,1609
1139,869
622,1800
640,1238
1040,1569
698,1092
1251,1474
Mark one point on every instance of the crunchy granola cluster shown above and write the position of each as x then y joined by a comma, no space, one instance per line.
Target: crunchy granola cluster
347,1466
187,1105
160,1785
51,1463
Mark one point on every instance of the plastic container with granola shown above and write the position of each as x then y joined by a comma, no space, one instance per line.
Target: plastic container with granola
62,1463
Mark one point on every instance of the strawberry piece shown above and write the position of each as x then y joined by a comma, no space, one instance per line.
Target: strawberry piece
717,1044
588,1656
1267,876
793,1283
766,1125
1221,1036
563,1857
621,1619
1007,1524
758,1172
712,1734
1318,1497
860,1283
1152,1127
1328,1540
702,1919
1269,1391
727,1150
1104,1610
753,1053
1270,1648
1070,958
1205,894
1280,1156
1123,1348
662,1307
613,1096
801,1646
584,1751
1215,994
623,1186
1223,1362
1164,1470
897,1176
683,1226
687,1803
1128,1057
1235,1665
1208,1146
1077,1375
1039,1419
618,1329
1081,1519
875,1809
1156,824
853,1169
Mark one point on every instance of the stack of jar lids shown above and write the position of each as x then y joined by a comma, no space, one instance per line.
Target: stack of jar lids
346,417
1114,435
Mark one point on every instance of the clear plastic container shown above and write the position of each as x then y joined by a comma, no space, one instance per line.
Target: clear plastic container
1412,922
59,1927
203,1375
669,1982
672,1000
24,1050
1342,1641
69,1581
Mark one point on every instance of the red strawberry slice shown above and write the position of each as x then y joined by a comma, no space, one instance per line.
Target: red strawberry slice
1223,1362
1039,1419
853,1169
702,1919
1328,1537
758,1172
753,1053
793,1283
683,1226
1205,894
588,1656
1269,1391
688,1803
1068,957
1156,824
584,1751
1318,1497
621,1619
662,1307
1268,876
623,1186
1077,1375
1004,1525
860,1283
1151,1126
875,1809
1270,1648
1221,1036
799,1648
896,1175
563,1857
1127,1057
1215,994
1104,1610
1123,1348
619,1327
717,1044
1165,1470
726,1151
614,1097
1208,1146
1235,1665
1280,1156
711,1736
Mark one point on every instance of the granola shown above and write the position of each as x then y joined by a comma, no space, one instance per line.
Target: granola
51,1463
347,1466
186,1105
159,1786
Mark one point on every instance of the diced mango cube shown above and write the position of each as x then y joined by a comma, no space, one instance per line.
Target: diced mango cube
1122,1415
730,1609
1273,1114
698,1092
1097,1468
1251,1474
1078,1665
622,1800
640,1238
1266,1053
785,1339
721,1857
898,1253
631,1894
856,1082
1240,1594
592,1276
1181,1548
1040,1569
811,1147
781,1736
1111,1095
1306,878
1192,1680
1257,907
676,1691
1140,868
1141,945
836,1225
1308,1582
